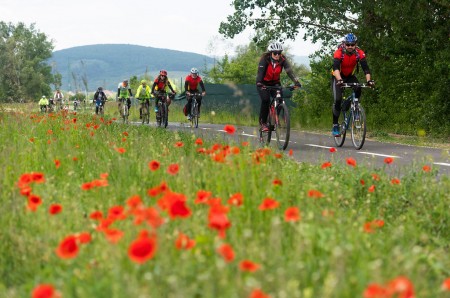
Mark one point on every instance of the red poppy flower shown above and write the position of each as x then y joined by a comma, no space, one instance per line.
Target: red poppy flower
257,293
199,141
74,158
179,144
120,150
362,182
291,152
268,204
178,208
402,286
326,165
388,160
236,199
31,140
229,129
446,285
371,188
125,133
227,252
395,181
376,291
426,168
57,163
134,201
84,237
313,193
278,155
235,150
25,191
34,201
371,226
173,169
292,214
116,213
142,249
184,242
218,219
113,235
55,209
87,186
68,248
277,182
332,149
44,291
96,215
248,266
49,132
351,161
202,197
375,177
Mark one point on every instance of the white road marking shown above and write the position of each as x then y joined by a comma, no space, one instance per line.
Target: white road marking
442,164
378,154
313,145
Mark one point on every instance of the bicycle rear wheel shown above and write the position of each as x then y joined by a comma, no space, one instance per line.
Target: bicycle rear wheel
194,115
340,139
164,116
145,114
358,127
125,113
282,126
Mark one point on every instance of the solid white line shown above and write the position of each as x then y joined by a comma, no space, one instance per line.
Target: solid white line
246,134
378,154
442,164
312,145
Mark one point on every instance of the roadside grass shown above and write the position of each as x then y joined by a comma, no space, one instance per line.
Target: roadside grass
333,250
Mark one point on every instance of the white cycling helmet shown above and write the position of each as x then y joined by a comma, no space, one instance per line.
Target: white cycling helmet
274,47
194,70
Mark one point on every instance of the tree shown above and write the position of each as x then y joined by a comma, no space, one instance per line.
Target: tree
24,73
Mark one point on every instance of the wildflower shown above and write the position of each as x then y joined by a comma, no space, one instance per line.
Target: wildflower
74,158
34,201
351,161
120,150
291,152
230,129
179,144
426,168
257,293
218,219
68,248
153,165
142,249
199,142
326,165
332,150
292,214
268,204
113,235
44,291
313,193
375,177
125,133
446,285
96,215
388,160
236,199
395,181
31,140
277,182
227,252
248,266
116,213
84,237
173,169
184,242
402,286
371,226
371,188
57,163
134,201
202,197
362,182
278,155
55,209
376,291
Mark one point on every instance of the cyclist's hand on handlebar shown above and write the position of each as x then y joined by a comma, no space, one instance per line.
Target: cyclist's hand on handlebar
203,93
297,84
371,83
339,83
260,85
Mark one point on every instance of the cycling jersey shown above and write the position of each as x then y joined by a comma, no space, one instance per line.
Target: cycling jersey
269,71
159,84
346,62
122,91
143,92
191,84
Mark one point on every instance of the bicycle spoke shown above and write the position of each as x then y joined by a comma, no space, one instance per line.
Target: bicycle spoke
283,126
340,139
358,127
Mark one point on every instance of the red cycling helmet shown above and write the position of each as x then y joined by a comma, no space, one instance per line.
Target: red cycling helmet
163,72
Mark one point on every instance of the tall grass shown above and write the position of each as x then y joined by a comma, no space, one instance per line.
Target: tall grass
327,253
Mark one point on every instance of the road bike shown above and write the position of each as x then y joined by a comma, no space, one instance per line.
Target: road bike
195,113
278,119
162,116
146,111
123,109
352,116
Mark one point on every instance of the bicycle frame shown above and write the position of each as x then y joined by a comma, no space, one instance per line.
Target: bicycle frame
194,109
162,114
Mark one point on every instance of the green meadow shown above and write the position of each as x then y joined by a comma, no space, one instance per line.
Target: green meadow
96,208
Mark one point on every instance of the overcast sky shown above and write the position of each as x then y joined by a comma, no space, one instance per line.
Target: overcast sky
190,26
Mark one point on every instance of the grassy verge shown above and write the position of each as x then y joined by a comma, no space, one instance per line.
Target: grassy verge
147,212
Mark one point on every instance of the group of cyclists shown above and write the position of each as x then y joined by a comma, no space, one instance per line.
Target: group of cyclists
57,102
271,64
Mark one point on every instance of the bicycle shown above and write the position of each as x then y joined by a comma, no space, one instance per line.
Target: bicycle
100,107
278,119
123,109
195,113
146,111
162,116
352,115
75,105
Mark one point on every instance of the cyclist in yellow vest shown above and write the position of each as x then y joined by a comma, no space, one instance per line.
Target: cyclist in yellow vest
143,94
43,103
123,90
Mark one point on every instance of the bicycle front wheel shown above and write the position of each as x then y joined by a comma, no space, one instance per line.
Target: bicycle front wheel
194,115
358,127
164,115
340,139
282,126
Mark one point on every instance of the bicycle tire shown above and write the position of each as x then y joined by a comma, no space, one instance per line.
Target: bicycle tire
282,126
145,114
125,113
194,114
358,127
166,115
339,140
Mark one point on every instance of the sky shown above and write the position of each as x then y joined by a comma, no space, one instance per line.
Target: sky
189,26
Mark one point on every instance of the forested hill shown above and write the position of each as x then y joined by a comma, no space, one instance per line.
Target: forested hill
107,64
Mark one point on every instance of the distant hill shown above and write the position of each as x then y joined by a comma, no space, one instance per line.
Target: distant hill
108,64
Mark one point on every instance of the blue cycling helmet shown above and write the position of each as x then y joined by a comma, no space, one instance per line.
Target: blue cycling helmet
350,38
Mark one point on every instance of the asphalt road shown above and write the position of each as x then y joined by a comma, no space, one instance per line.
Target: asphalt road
315,148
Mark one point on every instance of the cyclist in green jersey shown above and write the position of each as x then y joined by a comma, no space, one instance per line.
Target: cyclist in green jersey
123,90
143,94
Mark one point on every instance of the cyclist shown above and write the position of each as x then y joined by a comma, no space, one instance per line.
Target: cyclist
123,90
191,83
99,99
43,103
161,82
58,98
270,66
143,94
345,60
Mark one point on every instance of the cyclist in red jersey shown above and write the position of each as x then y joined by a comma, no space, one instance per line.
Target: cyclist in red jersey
345,60
270,67
160,83
191,83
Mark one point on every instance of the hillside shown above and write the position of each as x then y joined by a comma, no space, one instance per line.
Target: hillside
107,64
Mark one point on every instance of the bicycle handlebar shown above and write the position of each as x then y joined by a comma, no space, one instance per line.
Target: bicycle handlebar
352,85
290,87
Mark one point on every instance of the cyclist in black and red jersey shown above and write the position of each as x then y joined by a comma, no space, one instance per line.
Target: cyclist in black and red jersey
160,84
191,83
345,60
270,67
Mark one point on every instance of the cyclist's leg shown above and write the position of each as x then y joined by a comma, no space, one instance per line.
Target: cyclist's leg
354,79
264,96
189,105
199,104
156,103
337,96
128,104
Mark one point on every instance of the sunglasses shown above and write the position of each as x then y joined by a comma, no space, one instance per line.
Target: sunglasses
277,53
350,44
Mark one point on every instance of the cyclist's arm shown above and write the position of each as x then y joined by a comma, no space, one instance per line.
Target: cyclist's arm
170,86
202,86
118,92
365,67
336,69
289,71
129,92
153,87
261,70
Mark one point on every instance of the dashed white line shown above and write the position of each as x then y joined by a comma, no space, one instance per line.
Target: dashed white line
313,145
442,164
378,154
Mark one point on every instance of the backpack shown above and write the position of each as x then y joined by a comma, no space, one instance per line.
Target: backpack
342,47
